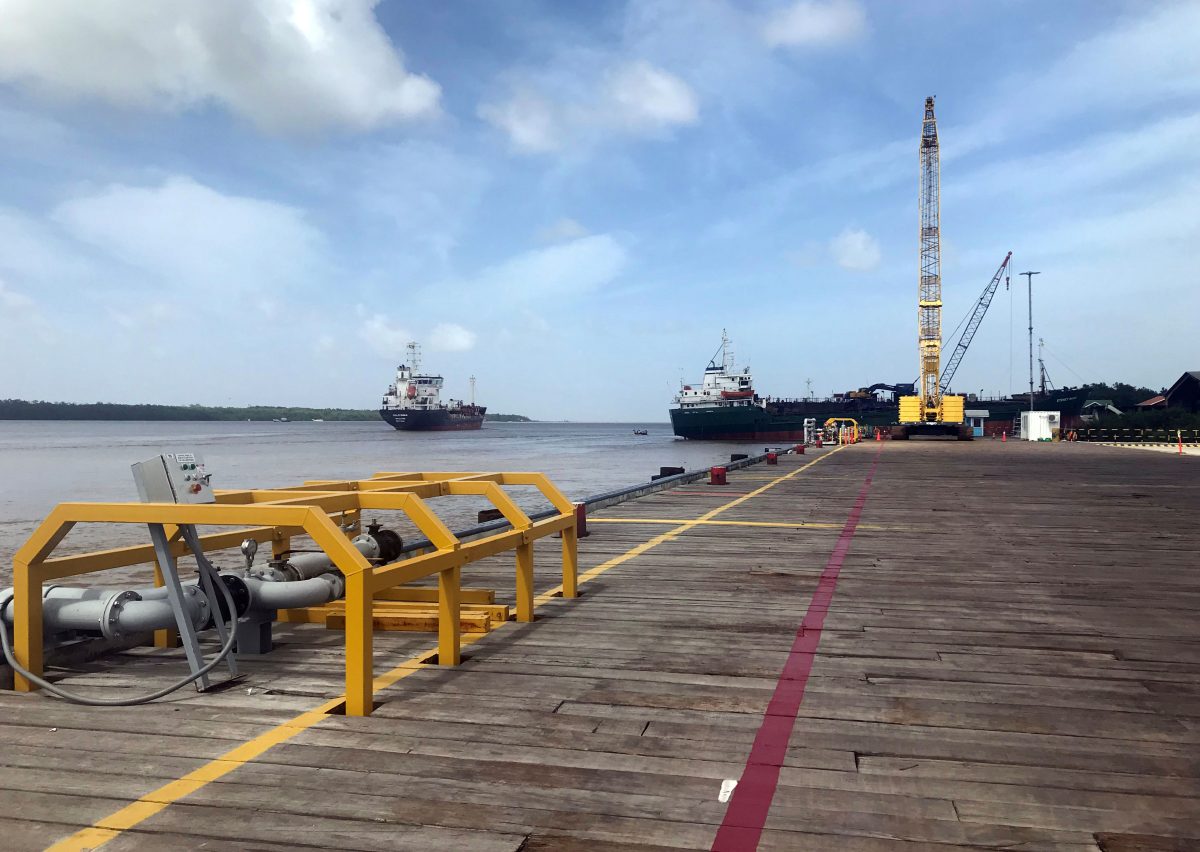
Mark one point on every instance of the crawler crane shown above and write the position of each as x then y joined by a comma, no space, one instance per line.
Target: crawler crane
929,411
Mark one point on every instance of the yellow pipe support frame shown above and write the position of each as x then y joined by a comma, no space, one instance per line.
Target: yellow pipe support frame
525,581
449,611
276,515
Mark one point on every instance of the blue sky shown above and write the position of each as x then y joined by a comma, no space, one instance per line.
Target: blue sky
228,202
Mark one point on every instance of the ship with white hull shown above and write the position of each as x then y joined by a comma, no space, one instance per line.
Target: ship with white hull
413,401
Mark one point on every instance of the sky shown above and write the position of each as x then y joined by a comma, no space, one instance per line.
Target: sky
228,202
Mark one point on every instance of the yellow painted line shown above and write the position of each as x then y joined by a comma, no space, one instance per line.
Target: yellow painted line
111,826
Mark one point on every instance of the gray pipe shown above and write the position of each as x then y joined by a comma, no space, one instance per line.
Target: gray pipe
112,612
307,579
266,595
307,566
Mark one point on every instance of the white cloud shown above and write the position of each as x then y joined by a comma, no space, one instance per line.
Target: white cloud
13,301
451,337
812,23
1141,60
532,123
285,65
572,268
633,98
644,96
385,337
562,230
21,318
390,340
856,250
184,235
1098,163
325,344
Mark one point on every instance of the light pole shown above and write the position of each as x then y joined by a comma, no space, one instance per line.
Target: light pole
1029,282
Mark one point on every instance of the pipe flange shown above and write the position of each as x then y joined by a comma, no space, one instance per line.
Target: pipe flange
271,574
110,616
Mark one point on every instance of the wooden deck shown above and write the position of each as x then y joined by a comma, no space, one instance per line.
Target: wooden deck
1010,659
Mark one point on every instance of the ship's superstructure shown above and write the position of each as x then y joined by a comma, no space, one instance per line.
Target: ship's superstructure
413,401
724,406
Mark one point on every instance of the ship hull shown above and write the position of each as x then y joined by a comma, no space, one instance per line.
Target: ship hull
735,424
774,423
434,420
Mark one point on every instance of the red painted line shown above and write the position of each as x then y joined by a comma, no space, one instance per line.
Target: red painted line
746,815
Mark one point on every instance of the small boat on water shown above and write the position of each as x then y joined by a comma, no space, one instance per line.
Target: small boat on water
641,432
413,401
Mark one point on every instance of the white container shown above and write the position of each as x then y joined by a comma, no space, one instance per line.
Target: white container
1039,425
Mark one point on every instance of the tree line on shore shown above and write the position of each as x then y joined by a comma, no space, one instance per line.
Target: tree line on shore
22,409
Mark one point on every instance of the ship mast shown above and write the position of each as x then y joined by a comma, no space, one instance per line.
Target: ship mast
472,390
414,356
929,308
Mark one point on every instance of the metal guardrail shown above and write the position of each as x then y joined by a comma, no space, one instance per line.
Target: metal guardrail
1139,436
598,501
275,515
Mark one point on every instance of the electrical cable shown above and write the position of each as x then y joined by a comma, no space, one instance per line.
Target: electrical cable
230,641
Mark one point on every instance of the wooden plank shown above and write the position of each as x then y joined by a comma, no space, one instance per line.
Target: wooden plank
424,622
429,595
1028,688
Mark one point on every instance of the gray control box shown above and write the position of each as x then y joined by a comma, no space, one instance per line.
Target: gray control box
173,478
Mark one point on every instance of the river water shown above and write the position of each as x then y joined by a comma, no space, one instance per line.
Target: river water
44,463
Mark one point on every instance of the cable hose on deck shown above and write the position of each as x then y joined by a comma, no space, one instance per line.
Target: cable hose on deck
230,641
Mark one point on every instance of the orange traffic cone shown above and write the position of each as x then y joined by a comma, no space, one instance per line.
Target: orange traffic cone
1003,437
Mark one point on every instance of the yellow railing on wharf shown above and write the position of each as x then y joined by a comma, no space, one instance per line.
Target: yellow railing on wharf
325,511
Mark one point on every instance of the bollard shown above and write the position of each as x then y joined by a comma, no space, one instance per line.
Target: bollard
581,530
799,449
772,458
818,444
716,476
1003,436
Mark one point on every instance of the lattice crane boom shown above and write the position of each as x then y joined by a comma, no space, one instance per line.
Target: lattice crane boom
930,296
929,411
981,307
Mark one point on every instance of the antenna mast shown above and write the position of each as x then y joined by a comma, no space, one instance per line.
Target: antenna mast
929,305
472,390
414,355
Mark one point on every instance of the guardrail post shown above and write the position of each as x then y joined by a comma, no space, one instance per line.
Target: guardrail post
27,624
570,557
360,688
525,581
449,616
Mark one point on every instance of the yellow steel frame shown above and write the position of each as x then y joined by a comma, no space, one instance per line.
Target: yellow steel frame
275,515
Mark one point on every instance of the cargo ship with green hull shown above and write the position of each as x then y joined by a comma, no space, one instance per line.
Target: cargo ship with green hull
724,406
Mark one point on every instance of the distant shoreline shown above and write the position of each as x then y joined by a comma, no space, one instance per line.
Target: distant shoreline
20,409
